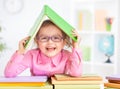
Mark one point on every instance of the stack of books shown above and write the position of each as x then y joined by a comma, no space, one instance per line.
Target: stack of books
113,81
23,81
83,82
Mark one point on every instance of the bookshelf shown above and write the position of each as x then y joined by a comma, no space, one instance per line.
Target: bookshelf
97,24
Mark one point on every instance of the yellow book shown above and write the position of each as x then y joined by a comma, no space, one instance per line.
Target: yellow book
54,81
85,20
77,86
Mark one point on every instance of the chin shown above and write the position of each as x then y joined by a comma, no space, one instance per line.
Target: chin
51,55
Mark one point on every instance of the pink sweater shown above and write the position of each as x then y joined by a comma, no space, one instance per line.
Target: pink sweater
39,64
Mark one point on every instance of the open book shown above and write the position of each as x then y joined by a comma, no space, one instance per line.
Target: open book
48,13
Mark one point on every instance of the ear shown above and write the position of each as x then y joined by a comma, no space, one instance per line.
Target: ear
65,42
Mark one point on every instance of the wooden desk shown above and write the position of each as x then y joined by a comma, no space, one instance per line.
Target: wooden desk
47,86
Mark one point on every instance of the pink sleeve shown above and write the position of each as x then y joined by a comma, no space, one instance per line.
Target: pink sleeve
16,65
74,63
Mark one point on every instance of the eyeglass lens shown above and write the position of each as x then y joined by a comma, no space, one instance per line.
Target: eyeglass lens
47,38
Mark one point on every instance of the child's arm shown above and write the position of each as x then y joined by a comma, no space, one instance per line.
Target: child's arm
18,61
17,64
74,64
75,44
21,49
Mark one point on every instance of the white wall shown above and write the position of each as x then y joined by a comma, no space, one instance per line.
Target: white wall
118,63
16,26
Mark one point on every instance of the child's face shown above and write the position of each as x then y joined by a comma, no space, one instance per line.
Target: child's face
54,43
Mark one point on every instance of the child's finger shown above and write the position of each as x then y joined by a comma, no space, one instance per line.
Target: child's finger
27,38
75,33
23,41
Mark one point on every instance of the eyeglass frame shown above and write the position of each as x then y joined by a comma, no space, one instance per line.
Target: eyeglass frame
51,38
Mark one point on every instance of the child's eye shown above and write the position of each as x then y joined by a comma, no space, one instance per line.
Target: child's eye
44,38
56,38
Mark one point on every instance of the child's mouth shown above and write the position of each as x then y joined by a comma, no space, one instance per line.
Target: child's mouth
51,49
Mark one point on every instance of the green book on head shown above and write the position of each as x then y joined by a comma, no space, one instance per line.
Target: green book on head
48,13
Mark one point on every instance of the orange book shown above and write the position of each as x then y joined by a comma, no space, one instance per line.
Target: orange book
84,79
23,81
22,84
100,16
64,77
114,81
54,81
112,85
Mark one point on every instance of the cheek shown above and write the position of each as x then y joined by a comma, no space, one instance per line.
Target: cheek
41,46
61,45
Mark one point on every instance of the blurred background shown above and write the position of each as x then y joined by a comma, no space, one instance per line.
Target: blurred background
97,22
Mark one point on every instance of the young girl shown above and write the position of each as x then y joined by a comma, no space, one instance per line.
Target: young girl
49,57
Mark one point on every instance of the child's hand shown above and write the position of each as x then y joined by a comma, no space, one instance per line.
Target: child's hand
75,44
22,43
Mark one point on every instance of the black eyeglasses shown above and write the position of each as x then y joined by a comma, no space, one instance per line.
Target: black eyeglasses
55,38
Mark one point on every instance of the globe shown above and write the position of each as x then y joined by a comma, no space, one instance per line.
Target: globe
106,45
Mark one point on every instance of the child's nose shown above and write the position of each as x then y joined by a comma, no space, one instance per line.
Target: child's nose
50,40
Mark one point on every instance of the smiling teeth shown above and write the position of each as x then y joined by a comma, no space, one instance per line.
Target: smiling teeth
50,48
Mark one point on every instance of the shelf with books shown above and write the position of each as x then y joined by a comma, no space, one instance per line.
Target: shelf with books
96,22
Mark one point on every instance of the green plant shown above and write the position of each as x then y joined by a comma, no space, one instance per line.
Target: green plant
2,45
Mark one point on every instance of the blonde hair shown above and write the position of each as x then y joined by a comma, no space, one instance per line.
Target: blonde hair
65,36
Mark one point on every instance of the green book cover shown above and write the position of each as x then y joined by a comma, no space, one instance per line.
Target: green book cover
48,13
